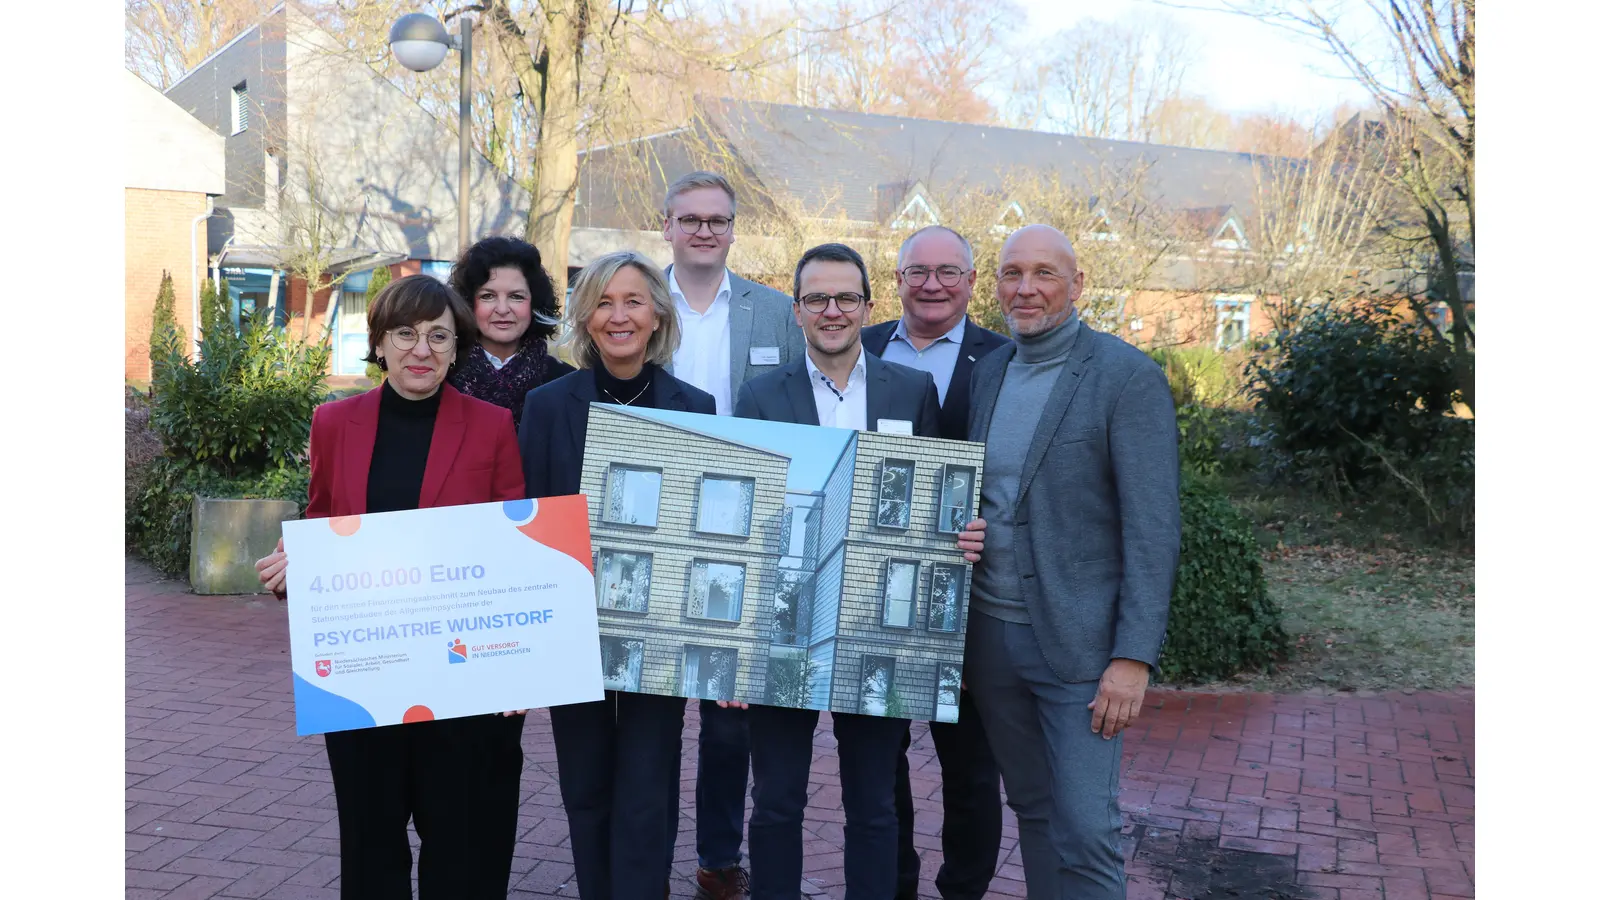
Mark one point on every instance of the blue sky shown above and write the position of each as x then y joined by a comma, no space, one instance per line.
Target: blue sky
812,450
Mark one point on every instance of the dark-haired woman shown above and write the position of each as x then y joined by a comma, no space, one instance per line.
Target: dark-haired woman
514,306
416,442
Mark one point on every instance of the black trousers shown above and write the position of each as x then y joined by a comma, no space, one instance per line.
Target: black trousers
971,835
618,760
458,780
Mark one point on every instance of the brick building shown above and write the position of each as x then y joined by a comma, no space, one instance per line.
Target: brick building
173,170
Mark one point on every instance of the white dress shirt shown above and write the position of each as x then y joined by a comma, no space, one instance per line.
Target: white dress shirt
836,408
702,356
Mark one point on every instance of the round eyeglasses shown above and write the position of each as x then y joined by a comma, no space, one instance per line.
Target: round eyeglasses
405,337
818,303
917,276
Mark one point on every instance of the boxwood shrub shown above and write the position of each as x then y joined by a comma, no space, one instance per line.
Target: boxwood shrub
1222,621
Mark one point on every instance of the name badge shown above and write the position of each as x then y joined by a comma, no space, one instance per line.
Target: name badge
763,356
894,426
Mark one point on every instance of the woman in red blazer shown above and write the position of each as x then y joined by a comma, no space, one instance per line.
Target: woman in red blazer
415,442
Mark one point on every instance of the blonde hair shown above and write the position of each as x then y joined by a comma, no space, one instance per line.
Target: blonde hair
587,290
695,181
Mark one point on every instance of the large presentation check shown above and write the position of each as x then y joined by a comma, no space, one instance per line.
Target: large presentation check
440,613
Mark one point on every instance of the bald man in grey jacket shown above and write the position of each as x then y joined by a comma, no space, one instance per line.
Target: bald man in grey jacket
1069,605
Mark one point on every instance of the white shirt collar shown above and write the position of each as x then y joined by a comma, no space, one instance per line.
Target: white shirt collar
496,361
724,290
956,334
858,373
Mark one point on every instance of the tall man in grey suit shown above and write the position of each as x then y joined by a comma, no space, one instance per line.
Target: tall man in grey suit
837,384
732,331
1080,489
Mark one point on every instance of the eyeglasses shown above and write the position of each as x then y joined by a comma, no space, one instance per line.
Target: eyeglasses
404,338
917,276
818,303
691,224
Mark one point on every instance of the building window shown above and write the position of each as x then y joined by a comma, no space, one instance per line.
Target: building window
621,660
624,581
1233,322
709,673
955,498
944,597
241,107
1136,323
791,619
725,505
894,493
878,696
899,592
716,590
947,702
633,495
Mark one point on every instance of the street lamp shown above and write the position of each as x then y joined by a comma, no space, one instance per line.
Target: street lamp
420,42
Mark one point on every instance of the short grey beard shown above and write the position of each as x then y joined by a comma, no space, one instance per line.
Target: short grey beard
1043,324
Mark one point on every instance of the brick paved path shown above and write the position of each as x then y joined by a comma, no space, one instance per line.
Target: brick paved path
1246,796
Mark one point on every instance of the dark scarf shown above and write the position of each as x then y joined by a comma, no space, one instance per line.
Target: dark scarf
508,385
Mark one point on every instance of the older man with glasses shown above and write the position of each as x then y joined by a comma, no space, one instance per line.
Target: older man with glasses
935,276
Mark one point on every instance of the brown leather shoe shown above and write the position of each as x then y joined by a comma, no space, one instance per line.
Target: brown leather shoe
732,883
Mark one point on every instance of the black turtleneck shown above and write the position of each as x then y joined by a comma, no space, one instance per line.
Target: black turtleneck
400,453
623,391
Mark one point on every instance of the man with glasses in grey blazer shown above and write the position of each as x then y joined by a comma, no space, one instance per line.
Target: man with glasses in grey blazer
1069,604
732,331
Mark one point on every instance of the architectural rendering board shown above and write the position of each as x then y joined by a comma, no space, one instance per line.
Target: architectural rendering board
790,565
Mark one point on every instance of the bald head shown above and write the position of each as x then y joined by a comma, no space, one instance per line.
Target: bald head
1038,280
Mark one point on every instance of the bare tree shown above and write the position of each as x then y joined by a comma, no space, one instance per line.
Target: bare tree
1418,61
1107,79
1313,224
164,39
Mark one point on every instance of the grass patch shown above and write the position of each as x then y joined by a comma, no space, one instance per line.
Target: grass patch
1369,619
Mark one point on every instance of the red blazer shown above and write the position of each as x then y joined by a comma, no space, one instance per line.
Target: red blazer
473,457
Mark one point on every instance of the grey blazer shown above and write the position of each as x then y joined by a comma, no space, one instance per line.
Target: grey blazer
1096,535
893,392
758,316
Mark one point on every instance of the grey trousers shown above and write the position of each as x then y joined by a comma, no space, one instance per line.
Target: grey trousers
1060,777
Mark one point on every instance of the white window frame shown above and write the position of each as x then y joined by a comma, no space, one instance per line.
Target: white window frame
1232,308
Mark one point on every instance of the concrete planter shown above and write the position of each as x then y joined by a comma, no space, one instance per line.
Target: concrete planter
228,537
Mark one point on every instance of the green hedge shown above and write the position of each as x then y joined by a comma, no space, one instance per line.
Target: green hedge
159,515
1222,620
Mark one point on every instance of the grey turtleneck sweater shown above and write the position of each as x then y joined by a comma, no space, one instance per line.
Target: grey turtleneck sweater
1030,376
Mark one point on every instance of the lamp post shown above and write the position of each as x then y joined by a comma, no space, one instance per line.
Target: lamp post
419,42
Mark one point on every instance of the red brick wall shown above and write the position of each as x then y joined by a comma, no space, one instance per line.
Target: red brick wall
156,236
